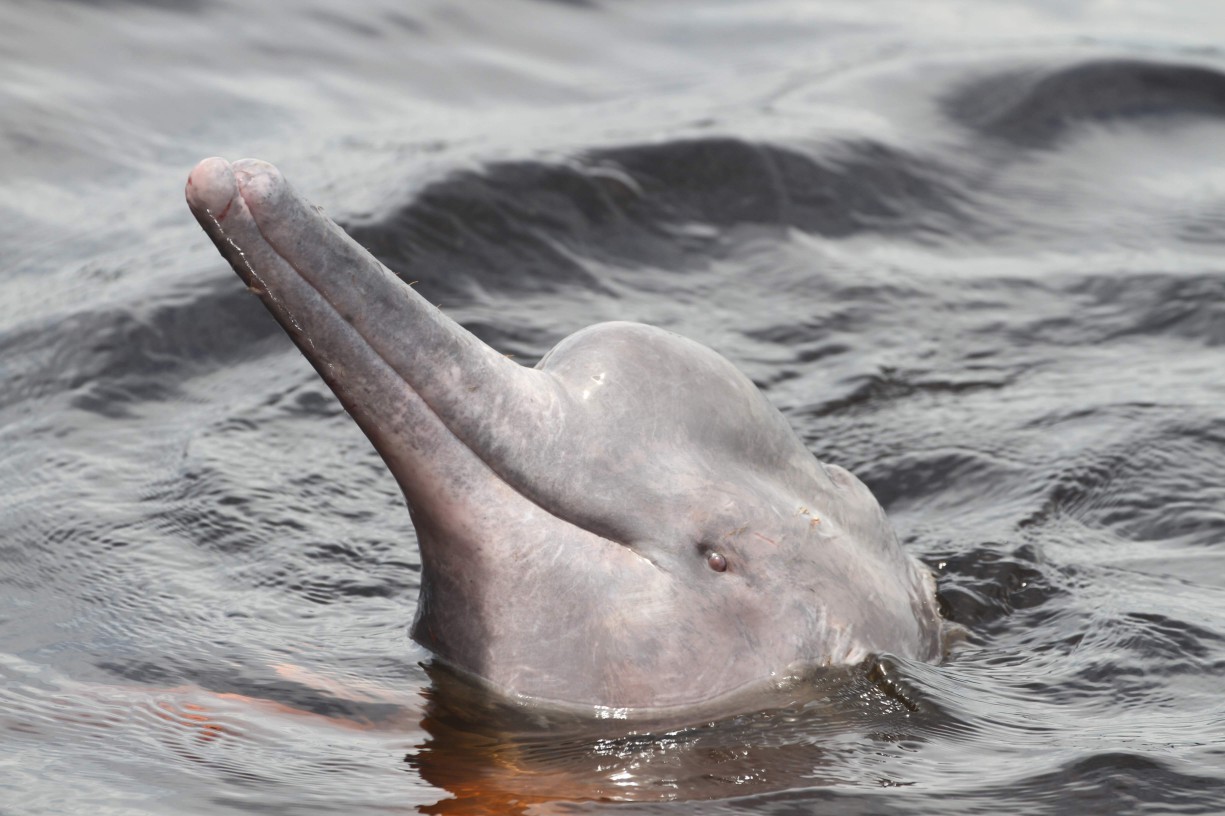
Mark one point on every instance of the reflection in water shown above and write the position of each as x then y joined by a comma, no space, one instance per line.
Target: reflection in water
827,727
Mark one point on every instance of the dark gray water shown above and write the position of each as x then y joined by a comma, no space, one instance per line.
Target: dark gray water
972,250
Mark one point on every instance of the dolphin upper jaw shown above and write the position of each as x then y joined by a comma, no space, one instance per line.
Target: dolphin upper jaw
256,221
243,207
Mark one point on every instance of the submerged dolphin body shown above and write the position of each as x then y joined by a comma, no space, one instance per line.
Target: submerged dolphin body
629,524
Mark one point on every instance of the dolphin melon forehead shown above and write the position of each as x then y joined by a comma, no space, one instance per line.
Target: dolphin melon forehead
647,385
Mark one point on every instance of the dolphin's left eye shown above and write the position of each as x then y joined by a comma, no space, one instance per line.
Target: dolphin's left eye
717,562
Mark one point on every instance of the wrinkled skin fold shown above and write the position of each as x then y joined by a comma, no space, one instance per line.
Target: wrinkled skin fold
572,517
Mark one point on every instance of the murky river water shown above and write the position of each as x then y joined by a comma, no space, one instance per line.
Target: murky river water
972,250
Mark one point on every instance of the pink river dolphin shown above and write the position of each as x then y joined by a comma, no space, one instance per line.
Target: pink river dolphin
629,525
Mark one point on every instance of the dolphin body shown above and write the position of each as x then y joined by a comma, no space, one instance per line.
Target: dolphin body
628,525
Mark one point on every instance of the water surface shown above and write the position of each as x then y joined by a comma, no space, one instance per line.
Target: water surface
971,250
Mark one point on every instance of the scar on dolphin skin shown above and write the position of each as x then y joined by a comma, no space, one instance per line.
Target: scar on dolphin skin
535,473
813,521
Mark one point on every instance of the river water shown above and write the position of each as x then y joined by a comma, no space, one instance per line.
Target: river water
972,250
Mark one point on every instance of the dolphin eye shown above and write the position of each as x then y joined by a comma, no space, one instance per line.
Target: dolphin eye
717,562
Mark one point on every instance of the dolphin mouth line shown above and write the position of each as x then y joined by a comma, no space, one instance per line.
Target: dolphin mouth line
263,290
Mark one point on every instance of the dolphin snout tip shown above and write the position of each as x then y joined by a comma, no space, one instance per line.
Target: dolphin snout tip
214,183
260,183
211,187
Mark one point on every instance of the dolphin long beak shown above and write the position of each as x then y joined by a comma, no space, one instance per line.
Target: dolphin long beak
409,375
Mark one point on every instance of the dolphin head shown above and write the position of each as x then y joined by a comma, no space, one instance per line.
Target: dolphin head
629,524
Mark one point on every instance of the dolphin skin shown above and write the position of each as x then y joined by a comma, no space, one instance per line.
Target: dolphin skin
628,525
